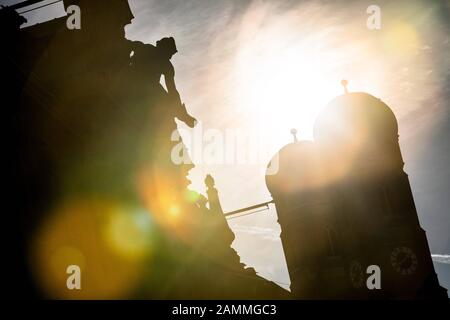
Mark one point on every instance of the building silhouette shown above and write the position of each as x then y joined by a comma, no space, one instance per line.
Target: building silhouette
86,115
344,203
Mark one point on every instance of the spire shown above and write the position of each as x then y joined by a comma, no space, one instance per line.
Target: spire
209,181
213,195
294,133
344,83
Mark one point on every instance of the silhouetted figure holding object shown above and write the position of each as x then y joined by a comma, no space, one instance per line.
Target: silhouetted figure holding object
157,62
10,20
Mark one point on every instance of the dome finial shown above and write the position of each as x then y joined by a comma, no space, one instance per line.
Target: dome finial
344,83
294,133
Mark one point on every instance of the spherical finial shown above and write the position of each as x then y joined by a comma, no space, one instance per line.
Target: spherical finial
344,83
294,133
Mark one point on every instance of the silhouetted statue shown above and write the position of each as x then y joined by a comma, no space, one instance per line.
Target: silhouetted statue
89,121
156,62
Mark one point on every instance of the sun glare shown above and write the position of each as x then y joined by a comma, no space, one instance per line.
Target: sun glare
284,83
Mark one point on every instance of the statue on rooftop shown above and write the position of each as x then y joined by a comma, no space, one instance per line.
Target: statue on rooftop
155,60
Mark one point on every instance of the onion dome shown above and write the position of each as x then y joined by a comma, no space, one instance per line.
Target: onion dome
357,132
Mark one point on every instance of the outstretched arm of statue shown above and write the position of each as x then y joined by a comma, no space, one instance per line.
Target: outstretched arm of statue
169,78
181,114
171,87
184,116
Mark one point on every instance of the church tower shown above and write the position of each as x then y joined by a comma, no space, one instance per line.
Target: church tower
309,220
344,203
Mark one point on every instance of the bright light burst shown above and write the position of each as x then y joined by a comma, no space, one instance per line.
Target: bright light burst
284,76
288,66
283,84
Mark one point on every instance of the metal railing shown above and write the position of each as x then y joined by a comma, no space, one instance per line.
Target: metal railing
235,213
27,3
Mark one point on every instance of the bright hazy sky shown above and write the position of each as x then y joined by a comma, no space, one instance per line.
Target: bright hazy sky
249,65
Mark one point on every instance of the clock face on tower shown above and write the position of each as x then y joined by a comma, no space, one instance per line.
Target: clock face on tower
356,274
404,260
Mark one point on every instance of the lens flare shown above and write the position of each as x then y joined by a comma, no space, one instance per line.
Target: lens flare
108,241
128,234
174,211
